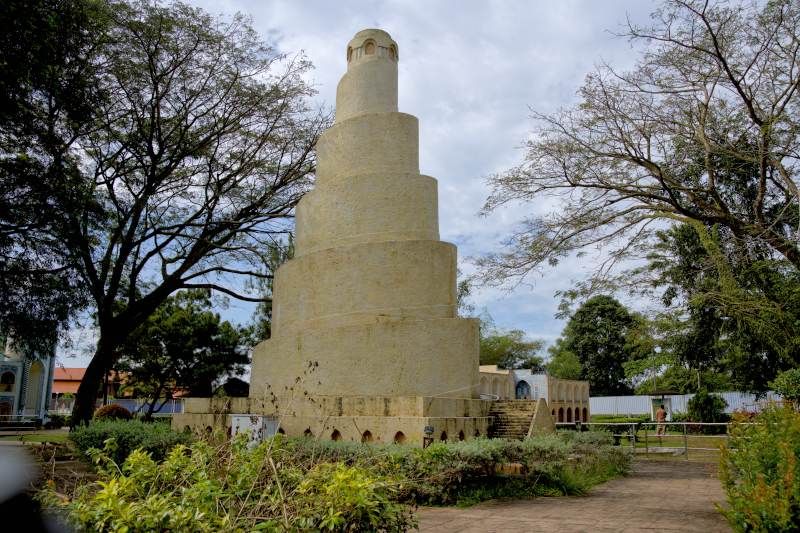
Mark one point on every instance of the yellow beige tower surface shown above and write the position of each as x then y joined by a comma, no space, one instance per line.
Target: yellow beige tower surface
366,344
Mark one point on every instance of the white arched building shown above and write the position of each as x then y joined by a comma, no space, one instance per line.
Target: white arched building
568,399
25,384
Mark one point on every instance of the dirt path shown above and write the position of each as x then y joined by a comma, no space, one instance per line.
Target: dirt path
656,496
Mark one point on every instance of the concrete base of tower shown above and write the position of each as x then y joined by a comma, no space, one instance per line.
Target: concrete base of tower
405,420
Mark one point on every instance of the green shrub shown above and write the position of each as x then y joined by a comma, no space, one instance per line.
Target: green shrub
591,438
205,488
112,411
760,472
128,435
467,472
57,421
309,485
787,384
705,407
609,419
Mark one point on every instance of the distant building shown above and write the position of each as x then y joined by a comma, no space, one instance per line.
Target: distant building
496,382
568,399
25,383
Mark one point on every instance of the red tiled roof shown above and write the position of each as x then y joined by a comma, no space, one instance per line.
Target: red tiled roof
69,374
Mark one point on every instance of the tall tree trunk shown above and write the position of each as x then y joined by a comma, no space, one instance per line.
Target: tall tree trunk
83,409
153,401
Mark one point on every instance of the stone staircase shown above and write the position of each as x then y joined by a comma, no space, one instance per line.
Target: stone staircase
511,419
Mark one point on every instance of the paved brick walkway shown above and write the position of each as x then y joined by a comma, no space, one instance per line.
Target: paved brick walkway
656,496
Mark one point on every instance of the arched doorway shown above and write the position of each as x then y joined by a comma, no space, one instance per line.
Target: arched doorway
496,388
366,436
399,437
336,435
569,414
33,395
523,391
585,417
443,436
7,380
461,435
560,414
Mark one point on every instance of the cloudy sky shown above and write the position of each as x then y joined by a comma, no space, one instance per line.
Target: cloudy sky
470,71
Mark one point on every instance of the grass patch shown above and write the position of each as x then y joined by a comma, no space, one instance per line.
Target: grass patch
55,438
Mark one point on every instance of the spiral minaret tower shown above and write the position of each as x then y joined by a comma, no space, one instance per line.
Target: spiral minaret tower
370,295
366,341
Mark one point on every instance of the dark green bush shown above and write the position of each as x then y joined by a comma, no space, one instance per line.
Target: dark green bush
128,435
57,421
706,407
760,472
112,411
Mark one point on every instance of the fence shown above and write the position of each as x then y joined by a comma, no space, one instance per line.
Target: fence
64,405
672,438
642,405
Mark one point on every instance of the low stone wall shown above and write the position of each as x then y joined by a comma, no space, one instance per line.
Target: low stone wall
369,419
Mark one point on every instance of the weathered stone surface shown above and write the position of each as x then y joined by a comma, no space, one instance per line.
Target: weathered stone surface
366,337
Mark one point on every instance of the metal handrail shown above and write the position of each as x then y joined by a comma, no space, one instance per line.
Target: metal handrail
635,427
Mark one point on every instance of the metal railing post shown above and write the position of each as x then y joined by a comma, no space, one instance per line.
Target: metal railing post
685,442
633,438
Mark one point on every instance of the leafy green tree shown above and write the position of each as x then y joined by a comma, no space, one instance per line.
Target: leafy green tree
707,407
195,159
563,363
183,346
511,350
733,313
787,384
598,334
48,95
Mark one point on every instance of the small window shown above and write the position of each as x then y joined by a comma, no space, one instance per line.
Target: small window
443,436
366,437
307,433
461,435
399,437
336,435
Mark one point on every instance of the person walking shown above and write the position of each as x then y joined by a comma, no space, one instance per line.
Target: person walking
661,418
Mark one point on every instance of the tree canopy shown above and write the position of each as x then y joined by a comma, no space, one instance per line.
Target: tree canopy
183,346
510,349
186,170
563,363
688,165
702,130
598,336
49,91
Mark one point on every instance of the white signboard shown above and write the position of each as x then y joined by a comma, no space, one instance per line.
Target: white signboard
259,427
